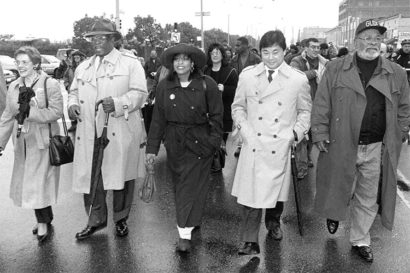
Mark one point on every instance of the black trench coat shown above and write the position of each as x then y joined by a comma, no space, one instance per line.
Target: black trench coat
190,138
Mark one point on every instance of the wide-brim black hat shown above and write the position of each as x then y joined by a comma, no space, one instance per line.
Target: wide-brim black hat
196,55
103,27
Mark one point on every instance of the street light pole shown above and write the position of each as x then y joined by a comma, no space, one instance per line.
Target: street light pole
202,28
228,30
117,15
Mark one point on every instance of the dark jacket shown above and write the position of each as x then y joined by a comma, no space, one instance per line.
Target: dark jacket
337,115
151,66
403,60
252,60
227,76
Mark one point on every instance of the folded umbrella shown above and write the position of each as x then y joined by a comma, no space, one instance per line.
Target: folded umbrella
99,145
147,189
296,187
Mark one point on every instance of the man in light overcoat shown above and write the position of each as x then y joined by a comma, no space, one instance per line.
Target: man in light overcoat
271,109
117,79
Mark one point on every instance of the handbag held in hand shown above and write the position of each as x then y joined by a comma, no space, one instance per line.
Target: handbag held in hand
61,148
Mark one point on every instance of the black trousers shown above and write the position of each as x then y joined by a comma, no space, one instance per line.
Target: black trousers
121,204
44,215
251,221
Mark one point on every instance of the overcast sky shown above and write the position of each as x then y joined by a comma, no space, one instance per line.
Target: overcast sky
54,18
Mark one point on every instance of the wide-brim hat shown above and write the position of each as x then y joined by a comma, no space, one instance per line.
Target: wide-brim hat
370,24
196,55
103,27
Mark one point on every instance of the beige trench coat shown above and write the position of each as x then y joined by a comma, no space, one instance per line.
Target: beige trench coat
267,114
121,76
34,182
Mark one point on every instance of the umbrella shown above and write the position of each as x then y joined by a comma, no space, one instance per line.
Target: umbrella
147,189
25,95
296,187
98,154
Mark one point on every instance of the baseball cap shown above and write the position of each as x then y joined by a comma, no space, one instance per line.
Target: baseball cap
405,42
370,24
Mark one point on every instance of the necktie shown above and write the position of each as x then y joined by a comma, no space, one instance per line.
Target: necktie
270,75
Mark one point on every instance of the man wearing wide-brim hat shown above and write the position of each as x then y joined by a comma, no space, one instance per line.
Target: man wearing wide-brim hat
117,79
360,115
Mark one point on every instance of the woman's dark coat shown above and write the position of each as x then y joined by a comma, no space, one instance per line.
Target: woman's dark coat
227,76
189,121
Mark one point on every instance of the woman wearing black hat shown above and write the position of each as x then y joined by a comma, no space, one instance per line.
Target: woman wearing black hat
188,117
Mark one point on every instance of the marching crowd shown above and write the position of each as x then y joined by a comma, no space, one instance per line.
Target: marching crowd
353,106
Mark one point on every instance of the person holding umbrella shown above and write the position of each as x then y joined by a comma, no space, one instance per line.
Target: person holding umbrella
188,116
117,80
34,182
271,110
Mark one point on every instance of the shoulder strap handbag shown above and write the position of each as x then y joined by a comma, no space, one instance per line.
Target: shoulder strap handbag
61,148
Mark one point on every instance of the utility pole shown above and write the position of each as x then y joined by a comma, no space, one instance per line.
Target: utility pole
117,15
228,30
202,28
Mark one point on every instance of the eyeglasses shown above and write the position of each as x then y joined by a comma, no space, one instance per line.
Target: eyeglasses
22,63
181,58
369,39
98,38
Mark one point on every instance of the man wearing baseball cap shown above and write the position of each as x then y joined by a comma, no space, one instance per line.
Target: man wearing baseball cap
403,56
360,115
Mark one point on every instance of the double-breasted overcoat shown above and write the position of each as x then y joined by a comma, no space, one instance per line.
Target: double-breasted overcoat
267,114
337,115
122,77
34,182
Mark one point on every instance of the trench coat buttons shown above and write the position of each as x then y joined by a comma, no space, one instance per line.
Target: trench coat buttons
82,83
260,102
192,107
337,119
196,141
279,103
111,78
175,105
78,138
260,118
276,120
81,101
273,152
259,134
199,157
113,134
275,136
254,150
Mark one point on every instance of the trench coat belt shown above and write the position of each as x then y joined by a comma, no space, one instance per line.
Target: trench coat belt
186,125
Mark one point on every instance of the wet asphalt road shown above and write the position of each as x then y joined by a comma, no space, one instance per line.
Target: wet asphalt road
150,246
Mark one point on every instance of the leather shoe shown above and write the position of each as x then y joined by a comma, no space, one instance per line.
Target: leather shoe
332,225
88,231
365,252
121,228
249,248
42,238
276,233
184,245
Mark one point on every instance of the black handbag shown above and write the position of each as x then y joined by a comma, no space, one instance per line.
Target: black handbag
61,148
218,162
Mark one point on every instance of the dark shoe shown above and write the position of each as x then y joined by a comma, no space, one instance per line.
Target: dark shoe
249,248
332,226
88,231
237,152
276,233
42,238
365,252
184,245
121,228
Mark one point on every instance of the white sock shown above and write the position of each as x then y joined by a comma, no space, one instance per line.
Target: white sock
185,233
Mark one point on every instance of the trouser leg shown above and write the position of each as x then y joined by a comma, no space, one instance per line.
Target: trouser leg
364,205
123,201
44,215
225,137
98,213
250,224
272,216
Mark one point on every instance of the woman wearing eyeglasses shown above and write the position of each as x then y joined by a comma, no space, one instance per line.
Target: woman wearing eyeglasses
188,116
227,79
34,182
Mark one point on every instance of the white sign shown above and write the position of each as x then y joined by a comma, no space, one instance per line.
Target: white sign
175,37
204,13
